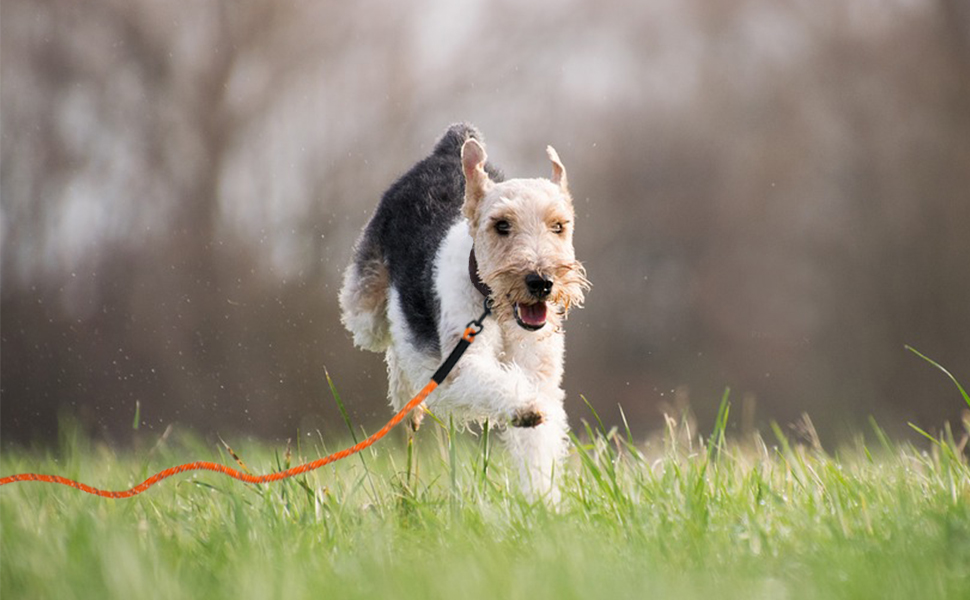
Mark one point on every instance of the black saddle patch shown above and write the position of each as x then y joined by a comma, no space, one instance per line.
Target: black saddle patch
410,224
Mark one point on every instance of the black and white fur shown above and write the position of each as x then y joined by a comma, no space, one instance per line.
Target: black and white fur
408,293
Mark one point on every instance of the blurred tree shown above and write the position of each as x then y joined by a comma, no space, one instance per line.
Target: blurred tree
772,197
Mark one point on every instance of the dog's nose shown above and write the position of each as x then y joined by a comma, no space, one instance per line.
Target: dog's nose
538,286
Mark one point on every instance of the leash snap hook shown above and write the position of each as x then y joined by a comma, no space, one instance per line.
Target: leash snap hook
479,323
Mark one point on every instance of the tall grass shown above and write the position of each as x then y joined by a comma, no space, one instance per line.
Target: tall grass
435,515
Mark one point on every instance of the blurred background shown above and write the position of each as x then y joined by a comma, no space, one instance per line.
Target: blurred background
771,196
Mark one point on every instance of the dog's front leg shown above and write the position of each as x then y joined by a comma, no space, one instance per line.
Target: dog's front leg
538,452
481,387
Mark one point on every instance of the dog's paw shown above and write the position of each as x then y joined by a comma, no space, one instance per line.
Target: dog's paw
527,418
416,417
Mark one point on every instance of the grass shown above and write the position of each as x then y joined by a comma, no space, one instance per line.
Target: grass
672,518
678,516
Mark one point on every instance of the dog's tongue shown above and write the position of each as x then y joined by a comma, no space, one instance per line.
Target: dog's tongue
533,314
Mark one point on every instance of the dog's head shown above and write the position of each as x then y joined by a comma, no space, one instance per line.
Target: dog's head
523,233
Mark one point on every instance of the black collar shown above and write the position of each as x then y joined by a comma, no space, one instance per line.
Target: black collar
475,277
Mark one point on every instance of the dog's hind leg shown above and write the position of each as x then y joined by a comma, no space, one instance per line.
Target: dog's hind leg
363,297
400,389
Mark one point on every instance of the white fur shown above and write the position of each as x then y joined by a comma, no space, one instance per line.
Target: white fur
509,374
369,330
504,372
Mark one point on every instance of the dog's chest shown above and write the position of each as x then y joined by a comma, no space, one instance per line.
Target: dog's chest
539,354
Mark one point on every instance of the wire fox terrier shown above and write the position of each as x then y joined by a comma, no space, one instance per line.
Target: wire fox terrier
447,235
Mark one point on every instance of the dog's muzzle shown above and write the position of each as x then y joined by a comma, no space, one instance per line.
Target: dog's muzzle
532,316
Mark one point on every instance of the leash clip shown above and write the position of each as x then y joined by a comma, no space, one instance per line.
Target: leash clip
479,323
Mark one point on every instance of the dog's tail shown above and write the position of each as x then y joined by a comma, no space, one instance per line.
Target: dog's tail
451,142
363,296
456,136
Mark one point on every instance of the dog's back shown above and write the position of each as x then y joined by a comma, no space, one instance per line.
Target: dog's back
398,246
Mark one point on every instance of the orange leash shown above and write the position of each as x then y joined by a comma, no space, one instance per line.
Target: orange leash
473,329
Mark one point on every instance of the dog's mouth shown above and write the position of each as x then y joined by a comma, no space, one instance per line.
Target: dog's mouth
530,316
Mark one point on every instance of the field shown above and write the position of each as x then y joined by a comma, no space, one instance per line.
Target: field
678,516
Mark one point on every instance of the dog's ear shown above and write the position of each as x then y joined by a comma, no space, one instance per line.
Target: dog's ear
558,170
477,182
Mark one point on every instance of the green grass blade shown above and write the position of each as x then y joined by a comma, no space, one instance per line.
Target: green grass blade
716,443
599,422
410,462
453,462
963,392
340,405
626,427
353,434
781,437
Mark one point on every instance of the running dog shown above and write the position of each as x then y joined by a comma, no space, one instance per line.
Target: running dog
448,236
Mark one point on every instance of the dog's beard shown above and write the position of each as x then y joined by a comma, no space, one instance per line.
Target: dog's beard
512,297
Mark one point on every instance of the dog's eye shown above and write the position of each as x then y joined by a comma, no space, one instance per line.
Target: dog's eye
557,228
503,227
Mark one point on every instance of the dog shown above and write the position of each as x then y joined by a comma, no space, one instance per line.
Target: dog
449,234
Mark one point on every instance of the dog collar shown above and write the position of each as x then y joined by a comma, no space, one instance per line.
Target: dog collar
475,277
